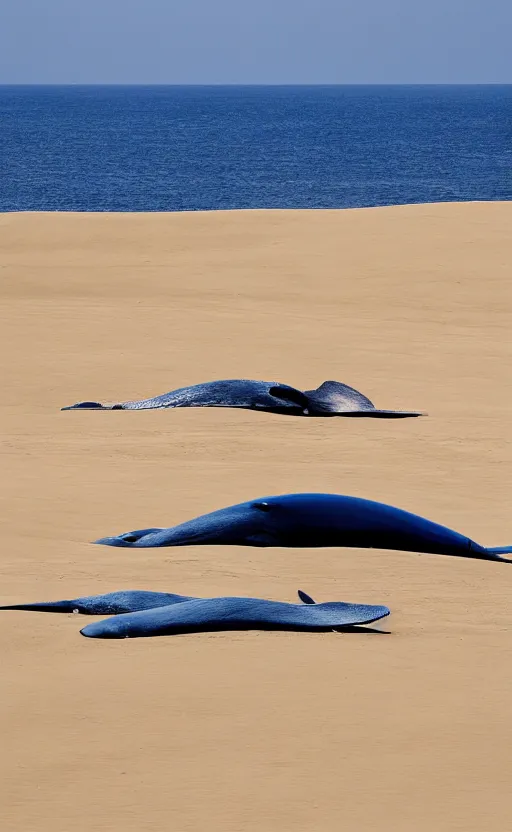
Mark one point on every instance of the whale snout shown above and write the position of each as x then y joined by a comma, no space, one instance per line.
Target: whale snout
134,538
99,629
85,406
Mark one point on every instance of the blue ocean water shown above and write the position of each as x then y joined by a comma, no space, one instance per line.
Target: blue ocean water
197,148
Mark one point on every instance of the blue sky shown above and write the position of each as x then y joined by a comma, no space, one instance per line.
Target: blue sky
263,42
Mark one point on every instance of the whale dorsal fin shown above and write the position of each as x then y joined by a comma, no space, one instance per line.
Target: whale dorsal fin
306,599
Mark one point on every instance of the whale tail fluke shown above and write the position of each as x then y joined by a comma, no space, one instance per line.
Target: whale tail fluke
44,606
498,551
333,398
305,598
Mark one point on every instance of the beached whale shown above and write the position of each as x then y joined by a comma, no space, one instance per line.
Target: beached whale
112,603
310,521
217,614
332,398
116,603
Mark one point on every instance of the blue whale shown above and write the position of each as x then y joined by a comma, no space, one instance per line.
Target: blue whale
310,521
112,603
332,398
216,614
117,603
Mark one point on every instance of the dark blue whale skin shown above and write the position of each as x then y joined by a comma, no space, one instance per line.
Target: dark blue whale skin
310,521
117,603
216,614
332,398
112,603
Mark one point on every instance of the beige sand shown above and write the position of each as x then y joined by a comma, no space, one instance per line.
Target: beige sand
256,732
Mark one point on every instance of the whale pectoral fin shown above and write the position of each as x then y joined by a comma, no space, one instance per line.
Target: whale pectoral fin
305,598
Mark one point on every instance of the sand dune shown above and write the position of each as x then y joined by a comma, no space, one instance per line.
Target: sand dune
256,732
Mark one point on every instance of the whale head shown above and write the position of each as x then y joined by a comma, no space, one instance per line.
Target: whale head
247,524
86,406
129,538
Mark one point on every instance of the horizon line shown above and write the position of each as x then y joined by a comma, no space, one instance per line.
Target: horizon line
259,84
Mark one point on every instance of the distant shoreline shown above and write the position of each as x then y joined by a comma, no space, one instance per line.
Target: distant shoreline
252,211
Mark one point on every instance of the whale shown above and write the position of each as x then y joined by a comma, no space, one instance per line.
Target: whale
116,603
313,521
112,603
233,613
332,398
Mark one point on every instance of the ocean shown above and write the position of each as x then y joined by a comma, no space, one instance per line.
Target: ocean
204,148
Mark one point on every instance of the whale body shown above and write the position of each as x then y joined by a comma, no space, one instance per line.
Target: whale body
215,614
311,521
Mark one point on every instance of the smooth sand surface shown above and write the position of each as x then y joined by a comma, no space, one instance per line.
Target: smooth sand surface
256,732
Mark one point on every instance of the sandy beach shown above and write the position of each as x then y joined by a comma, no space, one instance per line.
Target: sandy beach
406,730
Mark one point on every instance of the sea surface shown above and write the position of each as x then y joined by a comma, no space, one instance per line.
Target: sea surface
201,148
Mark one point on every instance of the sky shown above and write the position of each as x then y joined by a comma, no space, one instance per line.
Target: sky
255,41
